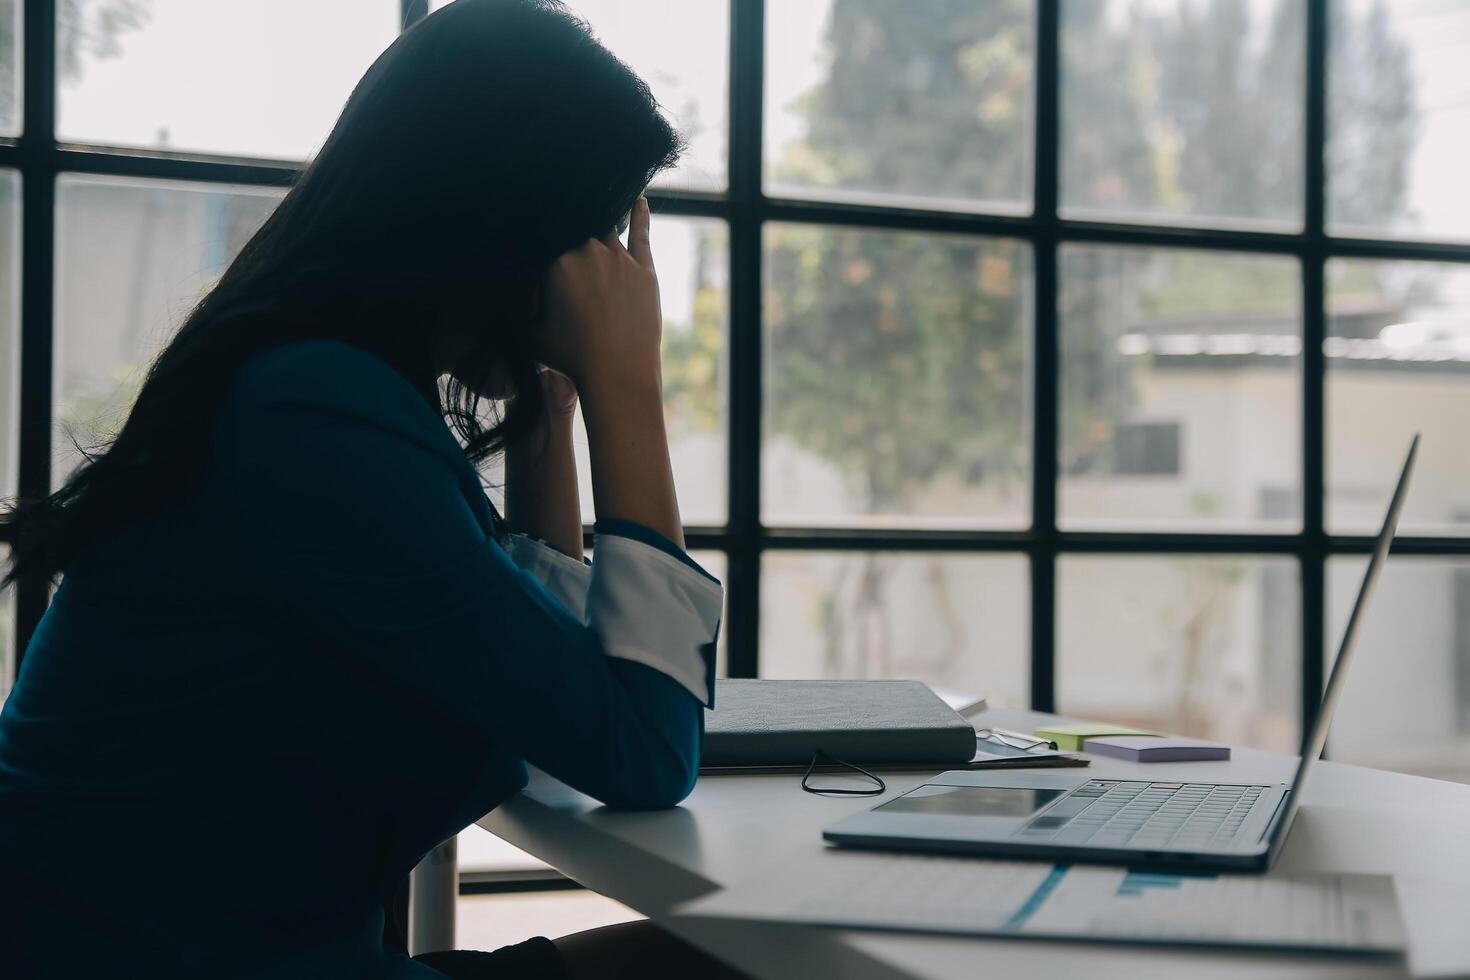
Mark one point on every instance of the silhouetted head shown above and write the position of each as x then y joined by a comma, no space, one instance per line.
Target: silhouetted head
486,141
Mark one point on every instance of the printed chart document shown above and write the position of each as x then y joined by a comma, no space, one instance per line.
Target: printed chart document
921,893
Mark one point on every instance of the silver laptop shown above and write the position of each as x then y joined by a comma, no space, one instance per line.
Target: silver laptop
1164,823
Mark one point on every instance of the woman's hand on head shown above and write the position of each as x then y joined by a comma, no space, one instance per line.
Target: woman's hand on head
602,328
603,324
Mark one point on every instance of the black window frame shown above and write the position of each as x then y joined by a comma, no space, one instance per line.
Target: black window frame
746,209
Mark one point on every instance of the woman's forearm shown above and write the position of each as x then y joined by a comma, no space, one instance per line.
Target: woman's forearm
541,485
632,477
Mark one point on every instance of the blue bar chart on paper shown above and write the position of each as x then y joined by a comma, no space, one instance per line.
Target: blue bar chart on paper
1137,883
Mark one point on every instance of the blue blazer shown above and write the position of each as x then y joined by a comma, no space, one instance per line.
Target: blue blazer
244,719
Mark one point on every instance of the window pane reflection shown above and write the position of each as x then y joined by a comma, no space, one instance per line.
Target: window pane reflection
958,623
132,259
1200,646
1398,115
1175,110
1181,389
895,378
1406,701
922,103
264,78
1398,362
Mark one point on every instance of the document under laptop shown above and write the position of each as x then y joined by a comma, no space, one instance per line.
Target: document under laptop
967,896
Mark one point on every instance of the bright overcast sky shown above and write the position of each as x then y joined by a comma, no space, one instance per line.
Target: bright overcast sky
267,78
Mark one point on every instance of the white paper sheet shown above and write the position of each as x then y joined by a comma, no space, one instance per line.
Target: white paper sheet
976,897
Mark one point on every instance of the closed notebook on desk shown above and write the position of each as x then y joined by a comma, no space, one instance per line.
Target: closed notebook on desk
783,723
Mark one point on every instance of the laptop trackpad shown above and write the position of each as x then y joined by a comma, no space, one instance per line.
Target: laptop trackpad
972,801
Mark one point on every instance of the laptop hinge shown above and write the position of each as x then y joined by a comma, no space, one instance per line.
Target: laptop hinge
1275,815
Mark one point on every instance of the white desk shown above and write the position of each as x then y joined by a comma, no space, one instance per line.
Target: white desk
1352,819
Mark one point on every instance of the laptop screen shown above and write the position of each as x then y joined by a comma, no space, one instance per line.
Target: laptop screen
1312,750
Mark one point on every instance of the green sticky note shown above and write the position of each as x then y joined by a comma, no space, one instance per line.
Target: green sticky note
1069,738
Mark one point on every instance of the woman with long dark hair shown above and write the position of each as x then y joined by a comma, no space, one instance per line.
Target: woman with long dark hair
294,646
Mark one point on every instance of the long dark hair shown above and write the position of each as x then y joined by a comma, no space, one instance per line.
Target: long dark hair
487,140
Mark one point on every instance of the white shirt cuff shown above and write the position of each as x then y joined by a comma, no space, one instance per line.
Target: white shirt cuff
564,576
649,607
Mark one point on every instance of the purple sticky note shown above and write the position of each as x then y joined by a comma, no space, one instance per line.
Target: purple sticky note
1155,748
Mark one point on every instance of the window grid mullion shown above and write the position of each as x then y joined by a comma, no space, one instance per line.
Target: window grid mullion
143,164
1314,368
1067,542
1045,410
743,575
36,150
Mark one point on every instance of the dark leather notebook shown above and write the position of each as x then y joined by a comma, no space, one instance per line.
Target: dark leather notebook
783,723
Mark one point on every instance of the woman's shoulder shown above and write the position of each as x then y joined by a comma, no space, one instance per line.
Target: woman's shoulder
296,387
332,376
319,369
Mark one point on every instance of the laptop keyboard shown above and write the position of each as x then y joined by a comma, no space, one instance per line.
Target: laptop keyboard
1119,813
